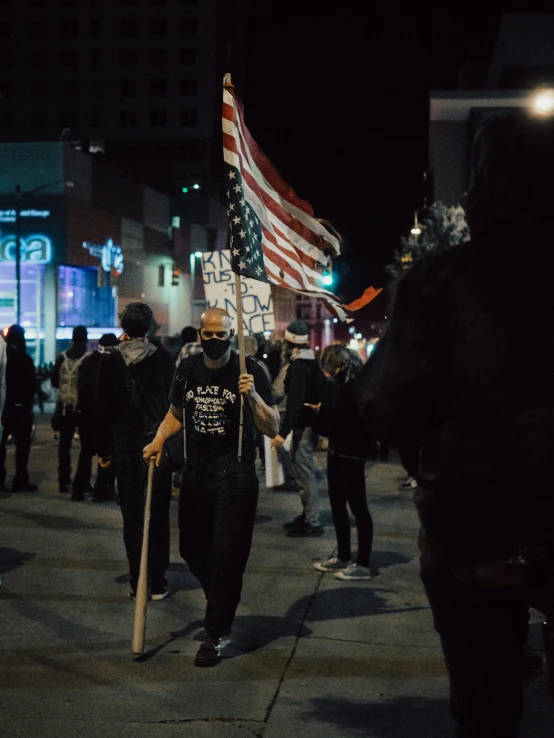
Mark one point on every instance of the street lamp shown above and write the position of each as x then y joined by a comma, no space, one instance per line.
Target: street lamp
18,197
416,230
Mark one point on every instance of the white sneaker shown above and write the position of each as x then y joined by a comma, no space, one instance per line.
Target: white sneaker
410,483
332,564
354,572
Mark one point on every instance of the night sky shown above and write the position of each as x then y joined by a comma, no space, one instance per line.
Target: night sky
338,98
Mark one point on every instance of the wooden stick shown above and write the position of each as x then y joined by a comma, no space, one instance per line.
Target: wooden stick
139,626
242,357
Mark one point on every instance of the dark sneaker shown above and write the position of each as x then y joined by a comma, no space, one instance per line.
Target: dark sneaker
298,520
25,487
77,496
306,530
65,489
159,592
209,653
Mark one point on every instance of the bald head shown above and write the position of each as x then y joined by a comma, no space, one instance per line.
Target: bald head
215,323
215,314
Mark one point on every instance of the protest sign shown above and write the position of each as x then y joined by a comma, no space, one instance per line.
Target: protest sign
219,287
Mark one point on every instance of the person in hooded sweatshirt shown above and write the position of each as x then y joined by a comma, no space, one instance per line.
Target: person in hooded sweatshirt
303,385
17,418
444,378
131,401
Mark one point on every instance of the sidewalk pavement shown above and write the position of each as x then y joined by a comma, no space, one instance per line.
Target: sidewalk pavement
310,656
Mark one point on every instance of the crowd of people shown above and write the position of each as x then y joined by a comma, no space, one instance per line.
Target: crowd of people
473,426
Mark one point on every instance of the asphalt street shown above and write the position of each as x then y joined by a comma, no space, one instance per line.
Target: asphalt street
310,656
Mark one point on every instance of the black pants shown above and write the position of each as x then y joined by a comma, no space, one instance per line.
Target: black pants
409,458
216,521
132,477
483,631
346,480
18,422
68,422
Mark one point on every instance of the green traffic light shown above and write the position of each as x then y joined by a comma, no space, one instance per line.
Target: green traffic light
184,189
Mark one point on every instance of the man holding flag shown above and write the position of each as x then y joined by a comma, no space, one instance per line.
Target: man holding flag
219,487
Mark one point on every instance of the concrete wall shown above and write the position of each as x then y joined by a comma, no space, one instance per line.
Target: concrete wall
448,157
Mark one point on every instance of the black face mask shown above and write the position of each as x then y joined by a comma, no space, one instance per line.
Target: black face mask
214,348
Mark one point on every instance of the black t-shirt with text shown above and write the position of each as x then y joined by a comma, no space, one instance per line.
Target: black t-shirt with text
211,402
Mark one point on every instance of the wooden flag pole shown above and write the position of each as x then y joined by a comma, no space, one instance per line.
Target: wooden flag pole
242,356
240,324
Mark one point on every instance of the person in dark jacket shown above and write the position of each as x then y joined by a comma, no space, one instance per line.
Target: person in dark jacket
131,401
87,386
18,409
444,378
67,418
350,446
302,387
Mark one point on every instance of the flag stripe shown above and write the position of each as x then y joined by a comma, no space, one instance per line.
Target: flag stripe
235,130
270,220
266,168
273,234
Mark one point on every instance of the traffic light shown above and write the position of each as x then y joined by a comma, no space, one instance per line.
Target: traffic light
175,274
327,278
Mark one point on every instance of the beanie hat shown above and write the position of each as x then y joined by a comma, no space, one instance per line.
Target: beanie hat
297,331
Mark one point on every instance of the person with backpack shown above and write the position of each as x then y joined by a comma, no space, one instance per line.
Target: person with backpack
67,417
131,401
17,417
303,385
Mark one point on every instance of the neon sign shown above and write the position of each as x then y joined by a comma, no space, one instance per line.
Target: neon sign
8,216
110,255
35,249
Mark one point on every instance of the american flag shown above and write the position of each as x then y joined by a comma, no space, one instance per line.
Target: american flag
273,235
